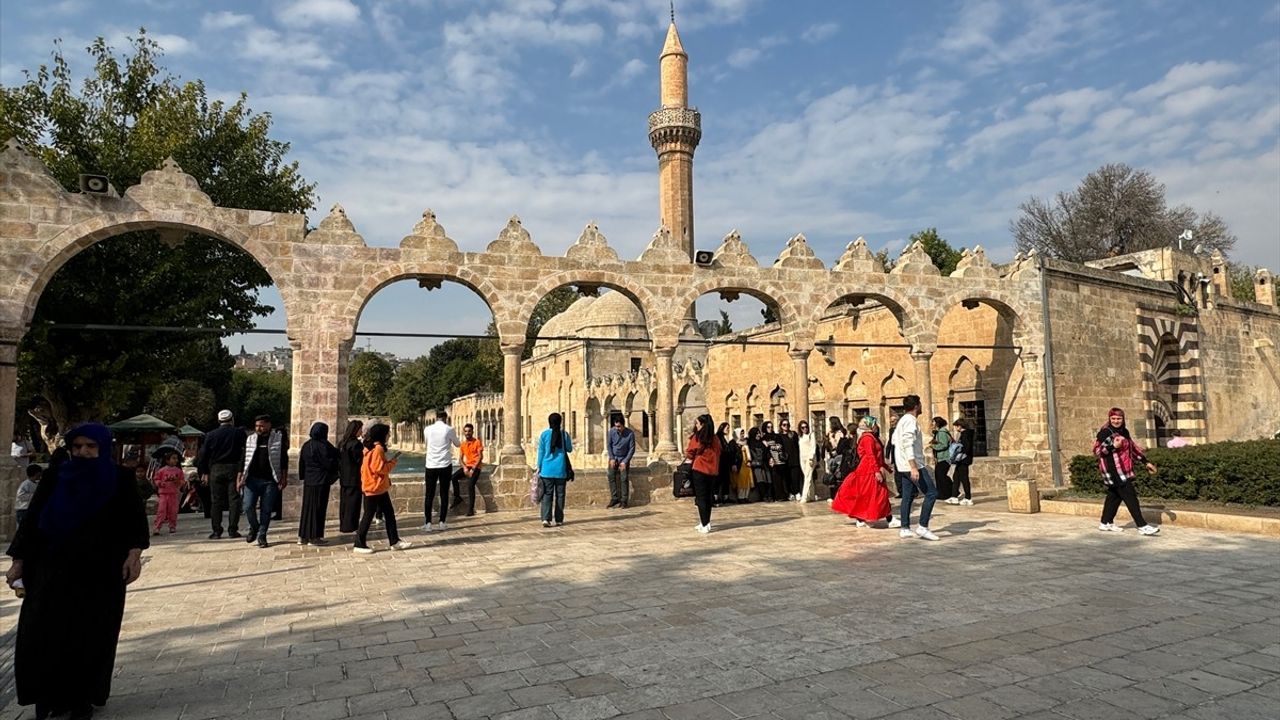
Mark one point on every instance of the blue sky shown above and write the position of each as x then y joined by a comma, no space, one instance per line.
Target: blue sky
835,119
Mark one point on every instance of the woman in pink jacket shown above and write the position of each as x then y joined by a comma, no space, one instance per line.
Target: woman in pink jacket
1118,456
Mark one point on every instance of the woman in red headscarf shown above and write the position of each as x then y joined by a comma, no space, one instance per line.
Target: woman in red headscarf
864,494
1118,456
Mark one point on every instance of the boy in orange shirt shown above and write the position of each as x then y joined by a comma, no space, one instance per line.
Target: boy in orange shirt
470,456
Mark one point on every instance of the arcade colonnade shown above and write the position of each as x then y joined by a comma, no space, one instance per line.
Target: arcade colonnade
326,276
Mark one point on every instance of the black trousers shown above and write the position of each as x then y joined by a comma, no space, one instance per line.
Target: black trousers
1116,494
374,504
350,499
436,477
223,496
781,474
703,485
460,477
795,480
960,477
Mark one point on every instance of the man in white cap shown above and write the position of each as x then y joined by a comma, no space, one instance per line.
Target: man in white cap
218,462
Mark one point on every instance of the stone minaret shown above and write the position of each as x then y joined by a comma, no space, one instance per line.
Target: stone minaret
674,132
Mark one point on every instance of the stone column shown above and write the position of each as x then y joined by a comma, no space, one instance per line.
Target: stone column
513,414
1034,403
800,367
10,474
320,392
666,420
924,383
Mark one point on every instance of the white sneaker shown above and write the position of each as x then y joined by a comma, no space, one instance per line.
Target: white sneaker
442,526
953,501
546,523
1148,530
378,521
894,522
830,500
966,501
704,529
859,523
906,534
1110,527
426,528
926,534
362,551
402,545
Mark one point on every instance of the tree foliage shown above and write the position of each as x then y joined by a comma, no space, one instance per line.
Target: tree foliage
183,402
944,256
121,121
1116,209
434,380
1242,279
260,392
369,382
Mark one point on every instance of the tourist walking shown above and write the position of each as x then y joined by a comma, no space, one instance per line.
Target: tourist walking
350,458
263,477
703,451
440,440
913,473
940,446
808,451
168,482
742,475
1118,456
961,454
317,469
375,484
218,463
620,447
554,470
760,460
80,545
730,458
864,495
471,459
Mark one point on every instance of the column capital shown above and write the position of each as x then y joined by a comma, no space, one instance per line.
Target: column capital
922,352
665,351
797,353
512,348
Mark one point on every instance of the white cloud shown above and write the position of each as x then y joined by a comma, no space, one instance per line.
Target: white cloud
580,68
629,71
819,32
269,46
173,44
1187,75
309,13
743,57
224,20
988,35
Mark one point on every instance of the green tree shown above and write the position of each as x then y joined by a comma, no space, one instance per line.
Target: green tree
123,120
944,256
369,382
1116,209
182,402
1242,279
411,390
260,392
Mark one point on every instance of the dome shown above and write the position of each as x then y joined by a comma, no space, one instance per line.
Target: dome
567,322
613,311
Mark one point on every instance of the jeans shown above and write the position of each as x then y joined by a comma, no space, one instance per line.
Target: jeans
909,490
1117,493
436,476
374,505
702,486
265,490
619,486
553,491
223,496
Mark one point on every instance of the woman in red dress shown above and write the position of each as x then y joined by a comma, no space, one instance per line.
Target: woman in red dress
863,495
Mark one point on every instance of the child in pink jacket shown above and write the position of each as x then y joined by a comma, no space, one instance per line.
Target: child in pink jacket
168,480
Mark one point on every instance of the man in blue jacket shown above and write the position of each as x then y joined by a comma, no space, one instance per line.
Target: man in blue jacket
622,446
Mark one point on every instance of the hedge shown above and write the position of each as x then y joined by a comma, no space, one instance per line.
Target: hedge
1228,472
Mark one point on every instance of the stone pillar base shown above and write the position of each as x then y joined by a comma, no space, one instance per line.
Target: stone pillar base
1023,496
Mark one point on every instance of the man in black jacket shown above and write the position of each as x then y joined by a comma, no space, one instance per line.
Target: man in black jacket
218,462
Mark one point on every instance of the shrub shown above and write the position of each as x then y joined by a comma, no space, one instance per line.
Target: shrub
1229,472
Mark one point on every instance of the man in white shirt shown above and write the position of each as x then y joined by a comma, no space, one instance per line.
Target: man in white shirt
21,451
912,471
440,440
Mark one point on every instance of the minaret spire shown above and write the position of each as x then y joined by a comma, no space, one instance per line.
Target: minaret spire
674,131
673,12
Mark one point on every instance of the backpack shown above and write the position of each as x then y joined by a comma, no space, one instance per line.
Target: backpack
956,450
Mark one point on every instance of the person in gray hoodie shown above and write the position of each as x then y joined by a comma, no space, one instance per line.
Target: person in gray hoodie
621,448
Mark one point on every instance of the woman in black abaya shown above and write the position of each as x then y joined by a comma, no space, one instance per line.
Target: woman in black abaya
317,469
350,456
77,548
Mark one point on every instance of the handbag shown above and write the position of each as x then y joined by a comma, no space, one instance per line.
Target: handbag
568,464
682,480
535,488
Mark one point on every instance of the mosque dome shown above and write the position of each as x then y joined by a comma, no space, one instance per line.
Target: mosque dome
612,315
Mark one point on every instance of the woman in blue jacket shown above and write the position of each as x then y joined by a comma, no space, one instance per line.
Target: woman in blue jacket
554,468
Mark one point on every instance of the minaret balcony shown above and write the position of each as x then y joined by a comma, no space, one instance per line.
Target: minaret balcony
675,124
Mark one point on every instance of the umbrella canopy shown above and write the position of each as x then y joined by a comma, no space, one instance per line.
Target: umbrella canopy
141,423
187,431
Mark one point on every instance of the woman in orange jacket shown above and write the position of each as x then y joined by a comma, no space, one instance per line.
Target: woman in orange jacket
375,483
703,451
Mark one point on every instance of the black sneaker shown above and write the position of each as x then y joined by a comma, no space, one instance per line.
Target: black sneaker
233,534
611,505
622,506
251,538
215,536
262,542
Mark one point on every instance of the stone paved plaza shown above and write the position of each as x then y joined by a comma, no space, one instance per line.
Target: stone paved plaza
782,612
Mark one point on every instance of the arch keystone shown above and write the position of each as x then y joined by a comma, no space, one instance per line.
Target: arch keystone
592,247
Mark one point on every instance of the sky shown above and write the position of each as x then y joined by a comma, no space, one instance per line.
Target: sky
832,119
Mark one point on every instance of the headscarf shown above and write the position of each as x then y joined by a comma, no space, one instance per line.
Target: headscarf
317,451
867,424
1107,431
84,485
